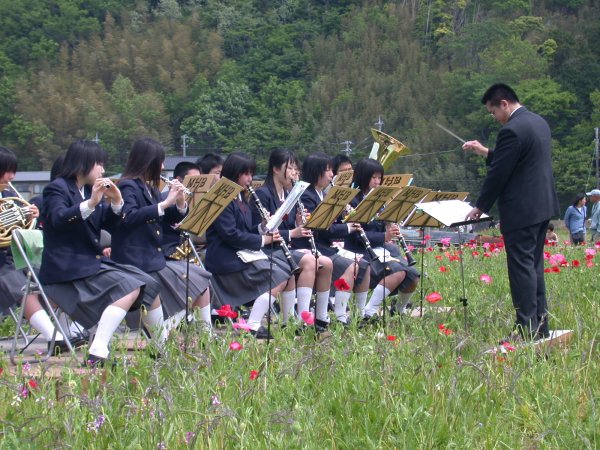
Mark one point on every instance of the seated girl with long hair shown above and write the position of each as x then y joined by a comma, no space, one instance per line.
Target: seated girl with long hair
239,282
139,238
88,286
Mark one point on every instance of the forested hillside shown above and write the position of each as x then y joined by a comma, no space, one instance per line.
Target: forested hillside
259,74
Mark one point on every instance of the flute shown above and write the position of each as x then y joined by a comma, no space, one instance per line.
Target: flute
186,191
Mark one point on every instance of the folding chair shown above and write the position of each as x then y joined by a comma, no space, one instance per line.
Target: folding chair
27,246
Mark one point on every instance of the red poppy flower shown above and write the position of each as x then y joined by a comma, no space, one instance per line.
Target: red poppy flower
1,370
555,269
391,337
441,326
341,285
508,347
448,331
235,346
454,258
589,256
487,254
254,374
434,297
547,270
226,311
475,253
33,384
443,269
575,263
589,263
427,237
308,317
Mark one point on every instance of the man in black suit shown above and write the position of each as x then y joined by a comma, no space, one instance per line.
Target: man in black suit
520,177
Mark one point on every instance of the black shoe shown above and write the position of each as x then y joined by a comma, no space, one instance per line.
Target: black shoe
321,326
261,333
369,321
76,340
94,362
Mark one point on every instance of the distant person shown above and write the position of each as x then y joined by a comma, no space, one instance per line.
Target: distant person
341,163
575,219
519,167
211,163
551,236
594,196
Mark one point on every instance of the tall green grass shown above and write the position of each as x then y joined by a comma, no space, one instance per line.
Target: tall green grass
409,385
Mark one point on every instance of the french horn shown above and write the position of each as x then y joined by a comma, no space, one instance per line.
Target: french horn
14,213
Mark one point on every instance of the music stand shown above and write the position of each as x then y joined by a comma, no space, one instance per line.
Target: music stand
204,213
449,213
329,209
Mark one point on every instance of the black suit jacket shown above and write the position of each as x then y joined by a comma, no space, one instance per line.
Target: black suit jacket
138,240
71,245
230,232
520,173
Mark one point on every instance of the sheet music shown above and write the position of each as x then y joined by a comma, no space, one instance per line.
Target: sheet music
447,212
287,205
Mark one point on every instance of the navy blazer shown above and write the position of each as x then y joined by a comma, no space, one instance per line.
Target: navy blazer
270,201
520,173
71,245
375,232
138,240
230,232
323,238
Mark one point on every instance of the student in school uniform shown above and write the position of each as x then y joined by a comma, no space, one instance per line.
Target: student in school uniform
350,273
13,280
315,272
138,240
399,276
238,276
89,287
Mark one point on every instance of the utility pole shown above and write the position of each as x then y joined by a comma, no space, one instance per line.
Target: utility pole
184,138
347,150
597,154
97,139
379,123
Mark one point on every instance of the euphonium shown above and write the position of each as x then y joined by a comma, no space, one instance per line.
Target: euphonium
389,148
265,216
13,216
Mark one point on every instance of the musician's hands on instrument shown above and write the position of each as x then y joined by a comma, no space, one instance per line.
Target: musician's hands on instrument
106,252
392,231
475,147
354,227
175,196
272,238
34,211
300,232
474,214
112,192
103,187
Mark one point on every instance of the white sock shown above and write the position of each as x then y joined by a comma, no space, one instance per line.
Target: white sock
322,303
205,315
361,301
304,294
379,293
288,300
174,320
341,303
155,322
108,323
41,322
259,309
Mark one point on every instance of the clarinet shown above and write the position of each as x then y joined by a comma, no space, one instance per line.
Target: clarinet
407,253
311,239
265,216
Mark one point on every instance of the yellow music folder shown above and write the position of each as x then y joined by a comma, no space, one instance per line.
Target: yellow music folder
208,208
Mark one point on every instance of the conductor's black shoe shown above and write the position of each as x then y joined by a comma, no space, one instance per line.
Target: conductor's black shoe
261,333
76,341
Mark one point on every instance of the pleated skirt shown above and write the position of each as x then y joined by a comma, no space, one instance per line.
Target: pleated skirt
341,263
172,279
241,287
12,282
86,299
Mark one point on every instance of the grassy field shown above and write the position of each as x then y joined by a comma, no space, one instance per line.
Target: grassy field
414,384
